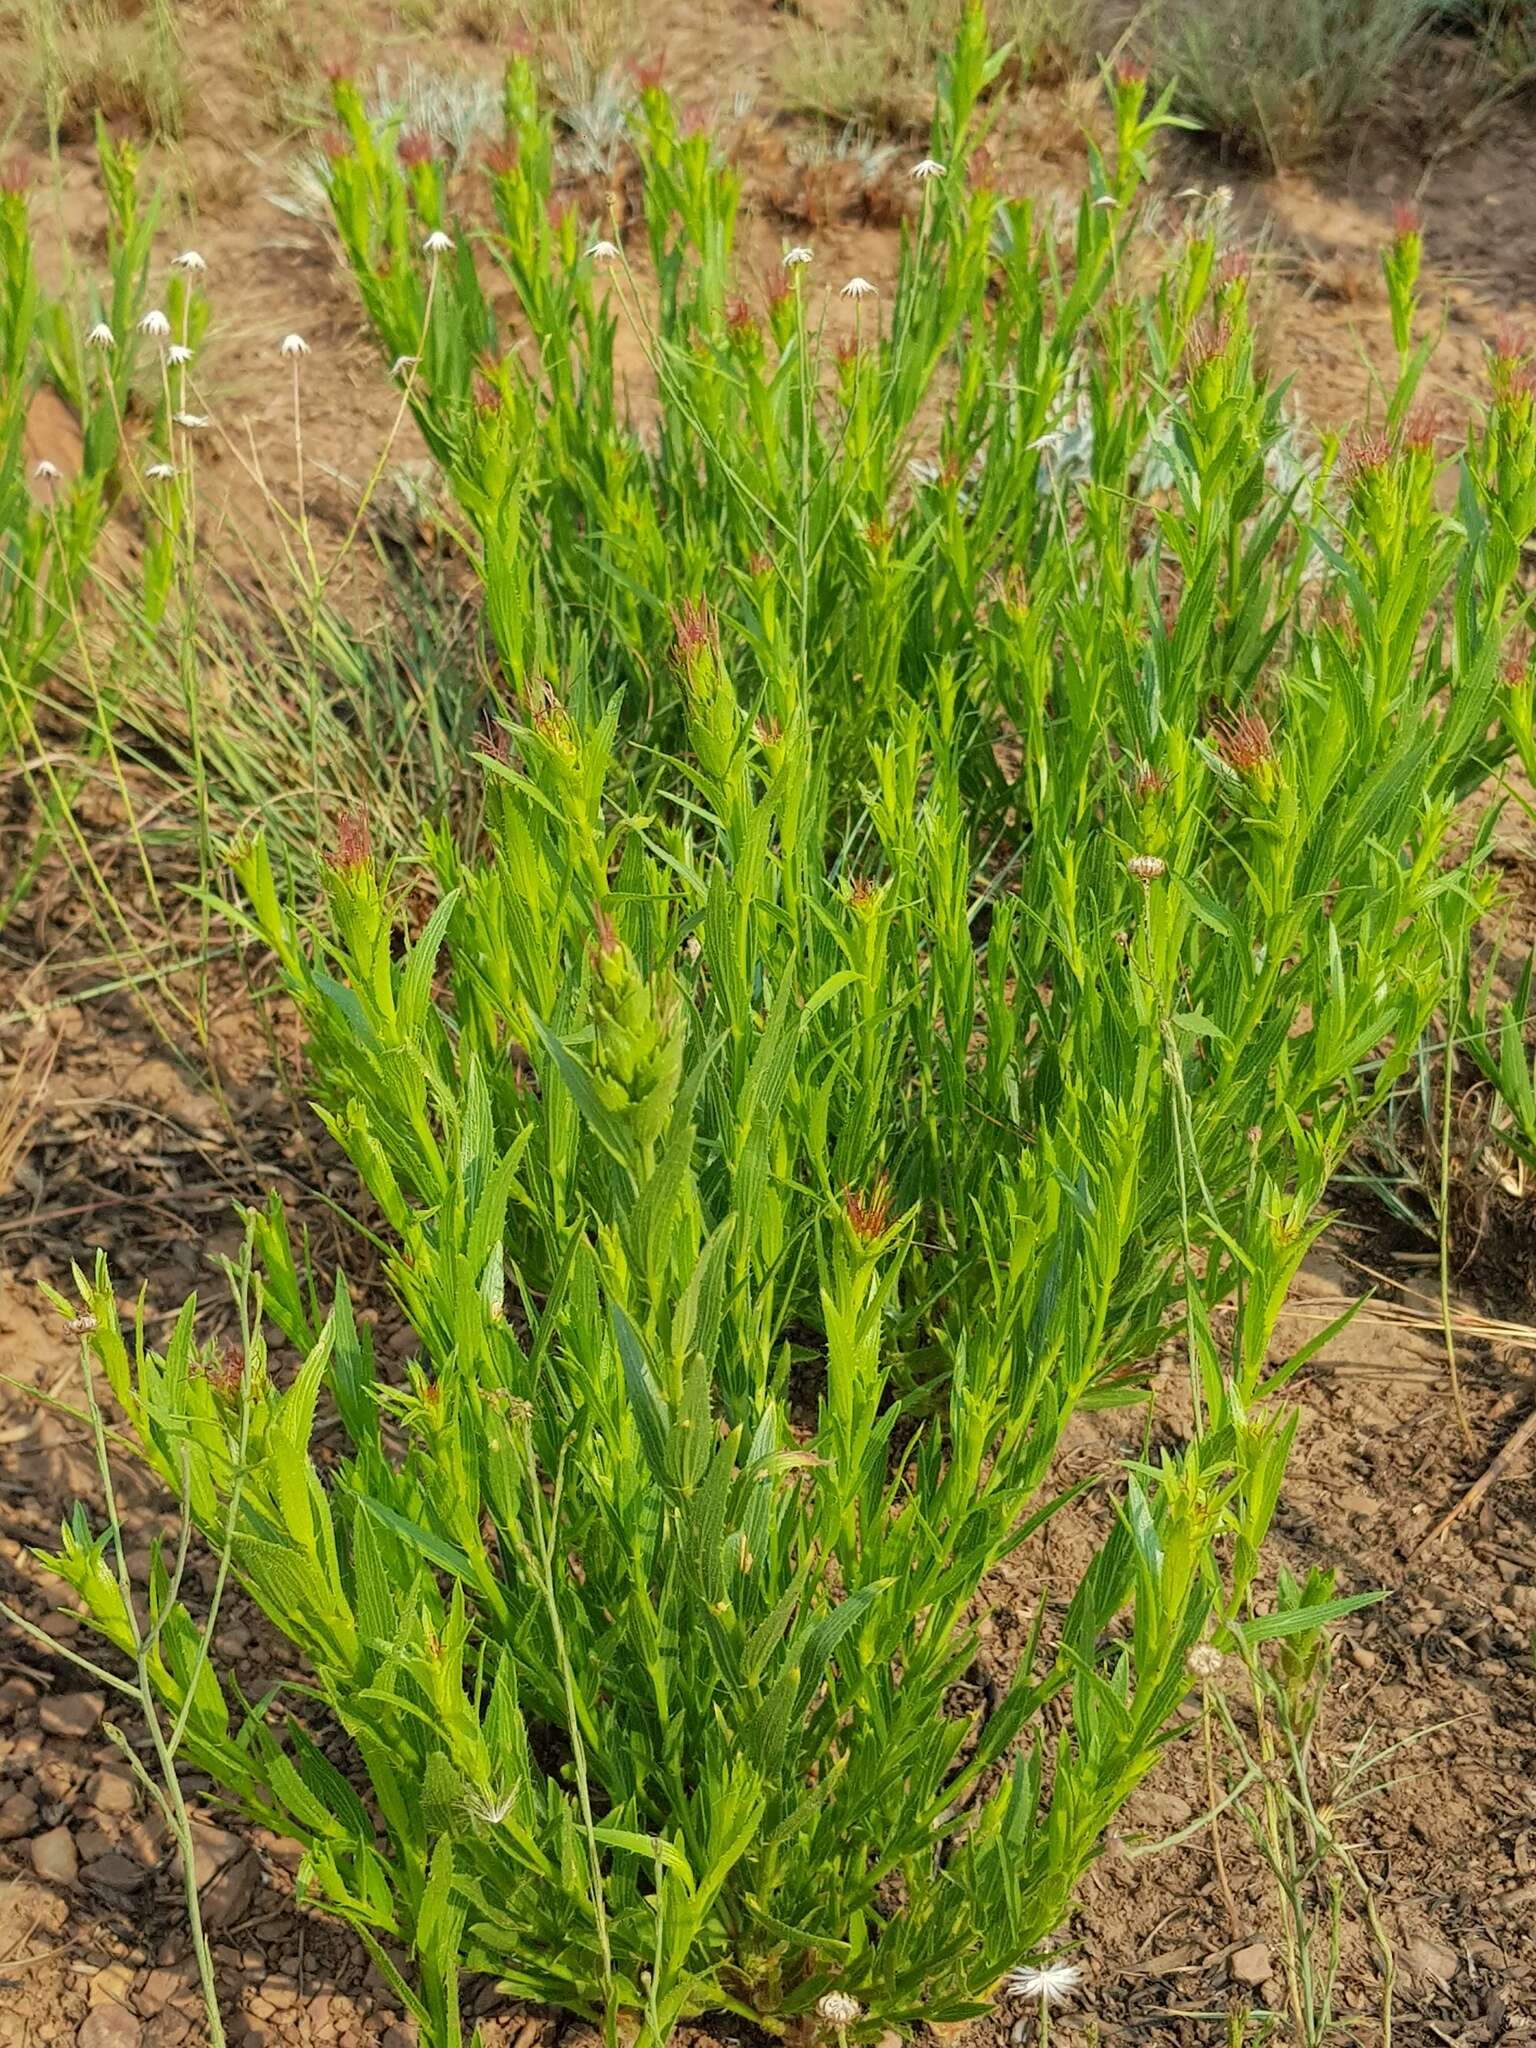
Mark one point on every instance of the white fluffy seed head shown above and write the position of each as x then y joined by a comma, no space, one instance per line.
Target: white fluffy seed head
47,472
155,324
1053,1984
928,168
857,288
793,258
839,2008
1205,1661
438,243
191,419
401,364
603,252
178,353
188,260
157,472
101,336
294,345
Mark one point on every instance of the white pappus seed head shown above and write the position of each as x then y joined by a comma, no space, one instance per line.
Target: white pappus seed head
293,345
793,258
438,243
489,1808
47,472
927,169
1106,199
1205,1661
178,353
1051,1984
191,420
155,324
101,336
401,364
839,2008
603,252
157,472
188,260
857,288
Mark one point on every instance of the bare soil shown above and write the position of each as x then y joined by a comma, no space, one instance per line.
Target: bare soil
133,1150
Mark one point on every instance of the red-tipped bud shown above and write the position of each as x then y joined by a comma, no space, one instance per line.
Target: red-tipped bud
352,849
869,1215
1366,453
415,148
1423,428
694,631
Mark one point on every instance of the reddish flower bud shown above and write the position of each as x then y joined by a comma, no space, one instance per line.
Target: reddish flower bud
869,1215
353,847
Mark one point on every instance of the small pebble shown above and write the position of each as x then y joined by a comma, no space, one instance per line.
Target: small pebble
54,1856
74,1715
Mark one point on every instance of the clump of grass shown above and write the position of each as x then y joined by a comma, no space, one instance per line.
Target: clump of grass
1280,83
871,70
117,60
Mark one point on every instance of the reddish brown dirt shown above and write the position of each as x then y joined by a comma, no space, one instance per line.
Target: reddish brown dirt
125,1151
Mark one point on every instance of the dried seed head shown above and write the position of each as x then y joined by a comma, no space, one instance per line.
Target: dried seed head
226,1373
739,320
1205,1661
1255,1135
178,353
155,324
603,252
191,420
82,1325
927,169
1149,782
158,472
293,345
47,472
1245,744
1146,868
188,260
793,258
403,363
838,2008
352,849
857,288
100,336
438,243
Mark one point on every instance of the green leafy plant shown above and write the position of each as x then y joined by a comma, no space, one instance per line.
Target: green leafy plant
965,843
